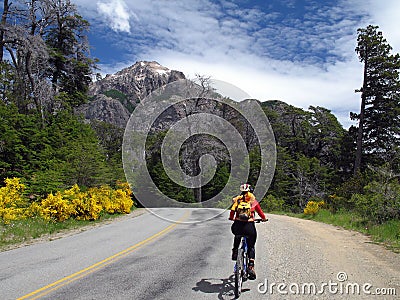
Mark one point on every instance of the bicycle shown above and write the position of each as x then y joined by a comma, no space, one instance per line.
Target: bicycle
240,267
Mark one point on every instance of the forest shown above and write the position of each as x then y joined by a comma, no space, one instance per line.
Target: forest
45,72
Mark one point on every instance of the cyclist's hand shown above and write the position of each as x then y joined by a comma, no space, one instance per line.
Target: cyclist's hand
264,220
231,219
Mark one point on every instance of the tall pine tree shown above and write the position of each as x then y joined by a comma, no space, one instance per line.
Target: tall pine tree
379,117
71,65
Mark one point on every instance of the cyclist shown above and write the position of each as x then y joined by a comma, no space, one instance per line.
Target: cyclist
242,213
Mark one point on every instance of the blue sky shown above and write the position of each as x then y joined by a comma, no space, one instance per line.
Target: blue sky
297,51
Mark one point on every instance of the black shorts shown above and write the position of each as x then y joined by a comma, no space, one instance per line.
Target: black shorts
244,228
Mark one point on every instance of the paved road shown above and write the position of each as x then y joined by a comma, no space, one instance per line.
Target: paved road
147,257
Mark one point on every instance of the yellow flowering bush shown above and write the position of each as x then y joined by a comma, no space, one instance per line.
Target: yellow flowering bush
88,205
122,201
122,196
313,207
56,207
117,201
70,203
12,204
34,210
103,195
85,206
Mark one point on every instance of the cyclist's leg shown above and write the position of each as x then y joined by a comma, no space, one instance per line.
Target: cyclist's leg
251,234
237,230
236,241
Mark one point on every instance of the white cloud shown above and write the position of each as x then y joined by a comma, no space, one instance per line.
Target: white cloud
305,86
386,14
306,60
117,14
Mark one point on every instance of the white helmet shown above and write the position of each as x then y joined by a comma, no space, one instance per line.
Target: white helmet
245,187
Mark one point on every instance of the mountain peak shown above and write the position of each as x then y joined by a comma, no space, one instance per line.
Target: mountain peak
141,69
130,85
137,81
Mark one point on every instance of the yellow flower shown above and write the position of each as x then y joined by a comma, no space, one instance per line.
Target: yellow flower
57,208
11,201
313,207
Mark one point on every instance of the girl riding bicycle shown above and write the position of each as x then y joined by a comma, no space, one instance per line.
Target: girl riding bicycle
242,213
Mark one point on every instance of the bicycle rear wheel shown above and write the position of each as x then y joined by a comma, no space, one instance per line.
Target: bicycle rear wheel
239,271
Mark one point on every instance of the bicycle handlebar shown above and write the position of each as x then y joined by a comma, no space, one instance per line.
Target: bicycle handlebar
255,220
260,220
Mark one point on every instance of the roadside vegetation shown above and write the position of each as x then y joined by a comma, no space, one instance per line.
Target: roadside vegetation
56,171
386,233
26,231
22,220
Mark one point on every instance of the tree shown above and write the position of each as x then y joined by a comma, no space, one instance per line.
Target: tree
6,79
311,179
28,57
313,152
47,47
327,139
27,53
379,117
193,167
70,64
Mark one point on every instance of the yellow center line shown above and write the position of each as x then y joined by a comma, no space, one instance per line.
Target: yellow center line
84,272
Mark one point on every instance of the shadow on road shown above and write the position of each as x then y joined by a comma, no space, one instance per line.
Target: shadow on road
223,287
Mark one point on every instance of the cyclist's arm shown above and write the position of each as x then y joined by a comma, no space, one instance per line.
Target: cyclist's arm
236,199
260,211
232,215
233,209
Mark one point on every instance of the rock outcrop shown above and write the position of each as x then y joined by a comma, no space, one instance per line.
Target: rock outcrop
106,109
115,96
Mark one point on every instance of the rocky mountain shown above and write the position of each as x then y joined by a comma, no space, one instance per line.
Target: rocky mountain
114,97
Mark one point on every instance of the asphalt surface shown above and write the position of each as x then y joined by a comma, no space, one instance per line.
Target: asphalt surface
118,261
148,257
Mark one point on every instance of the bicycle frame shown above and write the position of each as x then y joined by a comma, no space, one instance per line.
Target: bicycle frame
244,248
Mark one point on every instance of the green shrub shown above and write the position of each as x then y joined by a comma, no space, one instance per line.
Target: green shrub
379,203
270,203
336,203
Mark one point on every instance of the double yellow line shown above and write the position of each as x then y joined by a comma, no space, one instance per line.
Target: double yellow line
101,264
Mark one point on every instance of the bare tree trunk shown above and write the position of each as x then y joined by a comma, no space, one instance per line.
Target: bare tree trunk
360,132
36,99
3,22
206,88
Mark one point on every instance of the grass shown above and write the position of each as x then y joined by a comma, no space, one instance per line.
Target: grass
23,231
387,233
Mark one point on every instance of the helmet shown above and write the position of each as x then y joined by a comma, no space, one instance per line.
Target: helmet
245,187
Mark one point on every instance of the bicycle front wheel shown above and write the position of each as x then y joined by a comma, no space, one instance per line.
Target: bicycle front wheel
239,271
